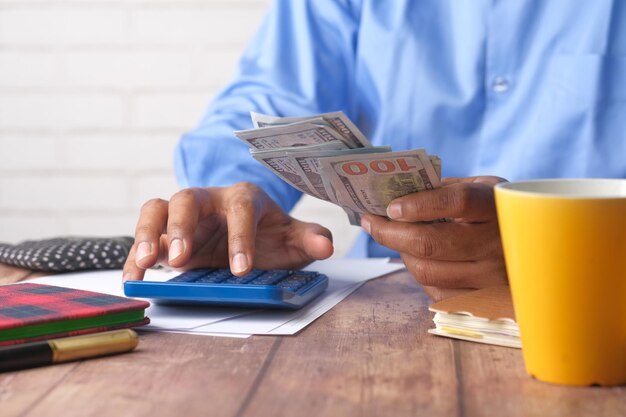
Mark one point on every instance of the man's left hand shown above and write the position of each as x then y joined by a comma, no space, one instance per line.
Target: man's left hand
450,257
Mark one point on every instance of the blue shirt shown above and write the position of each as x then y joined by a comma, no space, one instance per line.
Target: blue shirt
519,89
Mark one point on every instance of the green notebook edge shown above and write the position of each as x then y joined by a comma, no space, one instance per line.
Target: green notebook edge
42,329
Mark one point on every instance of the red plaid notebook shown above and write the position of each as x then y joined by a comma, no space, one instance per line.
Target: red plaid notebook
31,312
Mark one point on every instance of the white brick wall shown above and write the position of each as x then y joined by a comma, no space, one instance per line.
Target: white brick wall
94,95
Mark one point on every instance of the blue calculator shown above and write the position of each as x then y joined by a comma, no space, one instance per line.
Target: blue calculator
218,286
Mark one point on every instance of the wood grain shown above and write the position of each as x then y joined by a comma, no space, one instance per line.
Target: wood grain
169,375
493,378
368,356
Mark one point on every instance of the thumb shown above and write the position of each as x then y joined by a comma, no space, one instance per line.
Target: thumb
316,241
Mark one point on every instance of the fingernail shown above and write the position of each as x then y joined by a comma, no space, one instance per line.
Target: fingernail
126,277
365,224
240,262
177,247
143,250
394,211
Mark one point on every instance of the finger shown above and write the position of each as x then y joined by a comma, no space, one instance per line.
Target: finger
163,251
447,274
316,241
466,200
131,272
244,207
150,226
441,241
183,216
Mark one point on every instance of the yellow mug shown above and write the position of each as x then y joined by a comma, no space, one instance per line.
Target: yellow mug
565,251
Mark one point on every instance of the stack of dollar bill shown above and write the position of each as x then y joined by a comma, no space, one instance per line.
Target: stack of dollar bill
327,156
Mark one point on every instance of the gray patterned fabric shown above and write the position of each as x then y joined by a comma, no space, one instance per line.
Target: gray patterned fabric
68,253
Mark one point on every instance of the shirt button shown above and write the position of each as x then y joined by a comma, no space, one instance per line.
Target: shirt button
500,85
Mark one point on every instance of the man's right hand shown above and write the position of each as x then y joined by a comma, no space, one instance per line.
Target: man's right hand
237,226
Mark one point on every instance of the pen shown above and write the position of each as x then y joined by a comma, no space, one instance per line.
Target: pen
67,349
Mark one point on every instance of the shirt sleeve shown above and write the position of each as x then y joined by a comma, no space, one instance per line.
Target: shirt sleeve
300,62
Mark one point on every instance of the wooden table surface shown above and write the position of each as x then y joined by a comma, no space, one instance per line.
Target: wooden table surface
368,356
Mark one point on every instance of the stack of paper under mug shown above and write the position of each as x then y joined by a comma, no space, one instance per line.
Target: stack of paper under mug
32,312
484,316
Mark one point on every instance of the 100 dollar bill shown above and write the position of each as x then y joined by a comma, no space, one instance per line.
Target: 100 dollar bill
327,157
368,183
301,166
338,121
289,136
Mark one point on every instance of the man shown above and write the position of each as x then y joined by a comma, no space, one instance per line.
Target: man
512,89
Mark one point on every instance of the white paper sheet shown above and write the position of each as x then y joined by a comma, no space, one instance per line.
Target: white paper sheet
280,321
345,276
161,316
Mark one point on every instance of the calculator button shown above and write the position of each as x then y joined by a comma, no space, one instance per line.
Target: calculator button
292,281
244,279
297,281
289,285
215,277
191,276
270,277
